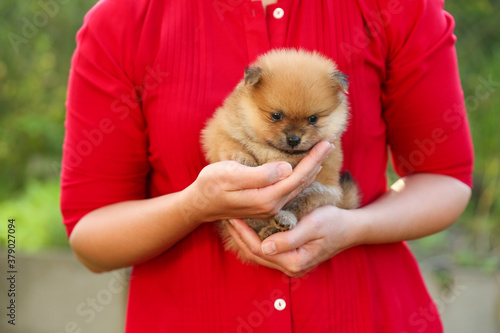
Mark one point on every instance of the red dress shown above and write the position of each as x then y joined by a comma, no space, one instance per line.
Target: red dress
147,74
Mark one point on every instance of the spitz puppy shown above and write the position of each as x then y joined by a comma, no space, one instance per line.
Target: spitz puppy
288,101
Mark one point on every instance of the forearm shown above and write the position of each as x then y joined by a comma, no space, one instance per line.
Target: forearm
131,232
414,207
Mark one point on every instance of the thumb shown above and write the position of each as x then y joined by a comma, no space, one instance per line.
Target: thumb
261,176
286,241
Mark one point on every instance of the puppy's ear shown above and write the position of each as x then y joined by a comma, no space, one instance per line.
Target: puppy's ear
340,81
252,75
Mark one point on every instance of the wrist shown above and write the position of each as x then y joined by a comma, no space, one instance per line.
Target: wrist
192,207
359,227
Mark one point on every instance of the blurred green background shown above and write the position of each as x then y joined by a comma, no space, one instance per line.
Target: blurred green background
34,66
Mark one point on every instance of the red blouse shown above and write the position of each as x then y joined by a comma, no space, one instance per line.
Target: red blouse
147,74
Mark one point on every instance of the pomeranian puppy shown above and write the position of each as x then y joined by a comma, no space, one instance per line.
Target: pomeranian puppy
288,101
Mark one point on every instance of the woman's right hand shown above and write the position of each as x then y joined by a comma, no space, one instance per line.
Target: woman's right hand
228,189
101,239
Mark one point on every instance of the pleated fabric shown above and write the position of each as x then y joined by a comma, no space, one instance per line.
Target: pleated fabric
147,74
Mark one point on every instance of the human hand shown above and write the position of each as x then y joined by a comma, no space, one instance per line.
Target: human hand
319,235
228,189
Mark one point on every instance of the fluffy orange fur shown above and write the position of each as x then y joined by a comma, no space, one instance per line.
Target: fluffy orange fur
288,101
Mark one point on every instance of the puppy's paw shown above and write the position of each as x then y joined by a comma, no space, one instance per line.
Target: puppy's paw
244,159
268,231
284,220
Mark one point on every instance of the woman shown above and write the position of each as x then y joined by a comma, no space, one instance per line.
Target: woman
136,190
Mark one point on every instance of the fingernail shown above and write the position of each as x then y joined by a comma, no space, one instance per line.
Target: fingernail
285,170
231,222
269,247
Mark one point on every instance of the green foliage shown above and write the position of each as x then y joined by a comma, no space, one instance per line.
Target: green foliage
37,39
475,239
37,217
478,50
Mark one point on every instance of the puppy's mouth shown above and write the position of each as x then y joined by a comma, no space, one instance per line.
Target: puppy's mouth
290,151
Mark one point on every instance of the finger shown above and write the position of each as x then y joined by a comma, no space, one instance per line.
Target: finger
249,241
243,248
283,242
274,197
247,235
243,177
294,263
316,157
236,229
307,169
311,178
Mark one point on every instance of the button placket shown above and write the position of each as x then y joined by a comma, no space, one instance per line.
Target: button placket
277,17
256,29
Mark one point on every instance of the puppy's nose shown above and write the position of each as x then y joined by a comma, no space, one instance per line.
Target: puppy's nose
292,140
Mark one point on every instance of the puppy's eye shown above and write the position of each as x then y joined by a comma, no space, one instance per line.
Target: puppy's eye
313,120
277,116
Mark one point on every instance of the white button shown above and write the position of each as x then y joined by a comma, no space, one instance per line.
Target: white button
279,304
278,13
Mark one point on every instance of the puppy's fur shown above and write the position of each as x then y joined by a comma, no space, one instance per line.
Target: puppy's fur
288,101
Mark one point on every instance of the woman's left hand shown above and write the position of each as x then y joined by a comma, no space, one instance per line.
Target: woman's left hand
321,234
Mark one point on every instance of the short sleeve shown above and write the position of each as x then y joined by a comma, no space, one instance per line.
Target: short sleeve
423,103
105,146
